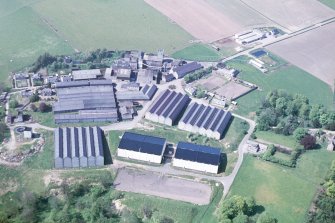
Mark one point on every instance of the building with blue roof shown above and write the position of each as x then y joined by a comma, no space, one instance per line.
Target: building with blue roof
142,147
197,157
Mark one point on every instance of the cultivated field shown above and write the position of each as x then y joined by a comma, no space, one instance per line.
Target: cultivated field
163,186
312,51
292,14
203,20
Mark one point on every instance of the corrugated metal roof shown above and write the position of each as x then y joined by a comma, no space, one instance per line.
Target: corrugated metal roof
187,68
142,143
198,153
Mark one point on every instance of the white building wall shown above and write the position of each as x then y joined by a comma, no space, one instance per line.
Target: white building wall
195,166
139,156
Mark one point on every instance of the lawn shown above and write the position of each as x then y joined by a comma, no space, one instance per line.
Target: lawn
23,37
284,192
197,52
274,138
290,78
329,3
178,211
118,24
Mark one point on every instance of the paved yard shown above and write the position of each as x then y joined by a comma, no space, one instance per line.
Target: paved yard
146,182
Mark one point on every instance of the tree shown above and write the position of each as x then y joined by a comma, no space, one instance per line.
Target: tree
241,218
266,218
236,205
3,131
299,133
33,107
13,103
309,142
43,107
34,98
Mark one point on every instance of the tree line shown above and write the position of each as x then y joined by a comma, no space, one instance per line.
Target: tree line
284,113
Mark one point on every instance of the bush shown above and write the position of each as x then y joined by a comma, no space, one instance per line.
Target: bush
33,107
43,107
34,98
309,142
13,103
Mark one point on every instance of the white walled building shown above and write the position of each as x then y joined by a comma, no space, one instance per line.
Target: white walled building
197,157
141,147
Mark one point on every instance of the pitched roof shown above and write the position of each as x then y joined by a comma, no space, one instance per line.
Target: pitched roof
198,153
142,143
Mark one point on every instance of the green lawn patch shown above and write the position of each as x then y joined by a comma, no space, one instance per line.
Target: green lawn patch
274,138
289,78
23,37
118,24
197,52
284,192
329,3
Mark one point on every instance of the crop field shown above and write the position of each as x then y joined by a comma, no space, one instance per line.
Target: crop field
211,23
289,78
312,51
118,24
293,15
284,192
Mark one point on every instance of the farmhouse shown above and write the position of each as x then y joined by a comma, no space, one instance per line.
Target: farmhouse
168,107
181,71
197,157
146,76
78,147
86,74
142,147
205,120
122,70
153,60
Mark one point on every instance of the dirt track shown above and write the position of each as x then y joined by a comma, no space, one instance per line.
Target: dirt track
146,182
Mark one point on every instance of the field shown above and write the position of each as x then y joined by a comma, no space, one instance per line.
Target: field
286,193
118,24
289,78
329,3
215,19
284,13
309,50
274,138
197,52
23,37
145,182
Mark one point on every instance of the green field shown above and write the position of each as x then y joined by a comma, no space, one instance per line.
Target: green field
29,28
286,193
289,78
118,24
197,52
272,137
329,3
23,37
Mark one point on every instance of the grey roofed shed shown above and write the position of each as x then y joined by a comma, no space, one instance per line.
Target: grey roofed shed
58,139
186,69
82,147
67,148
90,147
98,146
74,147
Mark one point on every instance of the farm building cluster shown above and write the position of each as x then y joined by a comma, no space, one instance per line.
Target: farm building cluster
172,108
187,155
105,95
78,147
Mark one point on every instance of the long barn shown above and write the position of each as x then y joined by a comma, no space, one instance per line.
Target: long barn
168,107
205,120
78,147
197,157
